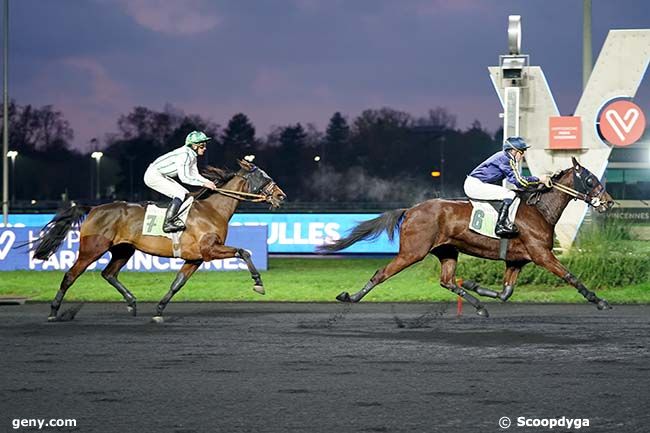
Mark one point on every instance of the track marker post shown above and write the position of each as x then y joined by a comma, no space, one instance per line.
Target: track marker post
459,300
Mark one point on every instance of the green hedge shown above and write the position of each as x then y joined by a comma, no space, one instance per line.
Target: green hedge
595,270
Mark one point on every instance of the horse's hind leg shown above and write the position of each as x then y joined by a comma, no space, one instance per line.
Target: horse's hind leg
90,249
181,278
448,259
402,261
120,254
509,281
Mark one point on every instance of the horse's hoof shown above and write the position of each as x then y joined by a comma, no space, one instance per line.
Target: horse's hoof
157,319
133,309
604,305
481,311
344,297
259,289
52,319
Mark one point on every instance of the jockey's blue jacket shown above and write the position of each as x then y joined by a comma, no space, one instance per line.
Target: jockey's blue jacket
501,166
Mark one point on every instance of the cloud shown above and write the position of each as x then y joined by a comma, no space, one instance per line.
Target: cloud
105,90
270,81
82,88
309,6
437,7
177,17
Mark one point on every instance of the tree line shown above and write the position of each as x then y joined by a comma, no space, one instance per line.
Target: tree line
380,156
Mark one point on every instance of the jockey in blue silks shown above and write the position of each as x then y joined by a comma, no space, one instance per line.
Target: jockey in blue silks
483,183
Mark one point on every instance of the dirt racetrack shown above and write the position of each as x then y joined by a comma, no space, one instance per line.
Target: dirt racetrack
277,367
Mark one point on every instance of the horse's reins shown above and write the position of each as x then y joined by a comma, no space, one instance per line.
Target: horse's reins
237,195
240,195
569,191
594,201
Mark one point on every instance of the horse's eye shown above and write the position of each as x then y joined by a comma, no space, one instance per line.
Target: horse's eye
590,182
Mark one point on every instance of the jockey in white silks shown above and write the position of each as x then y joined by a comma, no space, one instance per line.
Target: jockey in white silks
179,163
483,183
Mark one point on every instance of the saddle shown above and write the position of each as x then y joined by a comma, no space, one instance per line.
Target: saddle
485,214
154,218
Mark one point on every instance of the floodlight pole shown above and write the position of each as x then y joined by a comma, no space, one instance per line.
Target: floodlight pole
587,62
5,118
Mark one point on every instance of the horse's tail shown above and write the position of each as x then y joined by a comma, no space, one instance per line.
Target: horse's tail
368,230
56,230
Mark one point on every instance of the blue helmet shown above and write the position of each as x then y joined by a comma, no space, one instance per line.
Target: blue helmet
515,143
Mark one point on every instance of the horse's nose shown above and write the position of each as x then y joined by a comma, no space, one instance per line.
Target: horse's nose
282,196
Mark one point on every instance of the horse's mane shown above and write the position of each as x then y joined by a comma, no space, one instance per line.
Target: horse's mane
558,174
217,175
531,197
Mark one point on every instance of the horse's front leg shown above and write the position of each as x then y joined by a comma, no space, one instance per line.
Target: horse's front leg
548,261
212,249
255,275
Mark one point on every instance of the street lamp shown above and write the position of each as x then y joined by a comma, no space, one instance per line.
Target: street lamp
13,154
97,156
442,165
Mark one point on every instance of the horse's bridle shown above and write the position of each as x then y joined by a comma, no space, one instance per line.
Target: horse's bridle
589,196
260,193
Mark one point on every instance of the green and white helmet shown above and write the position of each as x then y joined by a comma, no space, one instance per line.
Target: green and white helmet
196,137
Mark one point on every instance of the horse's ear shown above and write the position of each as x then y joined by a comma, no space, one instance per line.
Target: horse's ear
575,163
244,164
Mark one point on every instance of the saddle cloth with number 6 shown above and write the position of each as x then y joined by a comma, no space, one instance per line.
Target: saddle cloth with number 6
486,213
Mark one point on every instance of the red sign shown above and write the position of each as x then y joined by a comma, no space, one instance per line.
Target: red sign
565,132
621,123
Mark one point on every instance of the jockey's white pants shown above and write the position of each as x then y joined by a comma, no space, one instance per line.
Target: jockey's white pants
163,184
475,189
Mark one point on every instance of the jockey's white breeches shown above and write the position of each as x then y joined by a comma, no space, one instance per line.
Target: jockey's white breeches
163,184
475,189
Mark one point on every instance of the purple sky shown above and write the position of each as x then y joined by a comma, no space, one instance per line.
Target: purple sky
285,61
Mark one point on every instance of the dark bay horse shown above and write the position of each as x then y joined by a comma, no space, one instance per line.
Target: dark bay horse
441,227
117,227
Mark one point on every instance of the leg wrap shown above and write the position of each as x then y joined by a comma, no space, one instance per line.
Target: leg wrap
475,287
175,287
246,256
56,302
363,292
506,292
128,296
588,295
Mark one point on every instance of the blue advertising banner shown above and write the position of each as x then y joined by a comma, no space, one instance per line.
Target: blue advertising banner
287,233
252,239
302,233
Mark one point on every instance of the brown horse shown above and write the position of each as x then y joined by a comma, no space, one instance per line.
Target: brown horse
117,227
441,227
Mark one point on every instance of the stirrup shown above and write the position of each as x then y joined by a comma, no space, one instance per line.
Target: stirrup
506,230
173,226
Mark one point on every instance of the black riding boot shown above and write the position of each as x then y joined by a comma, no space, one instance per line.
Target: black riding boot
504,227
172,222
